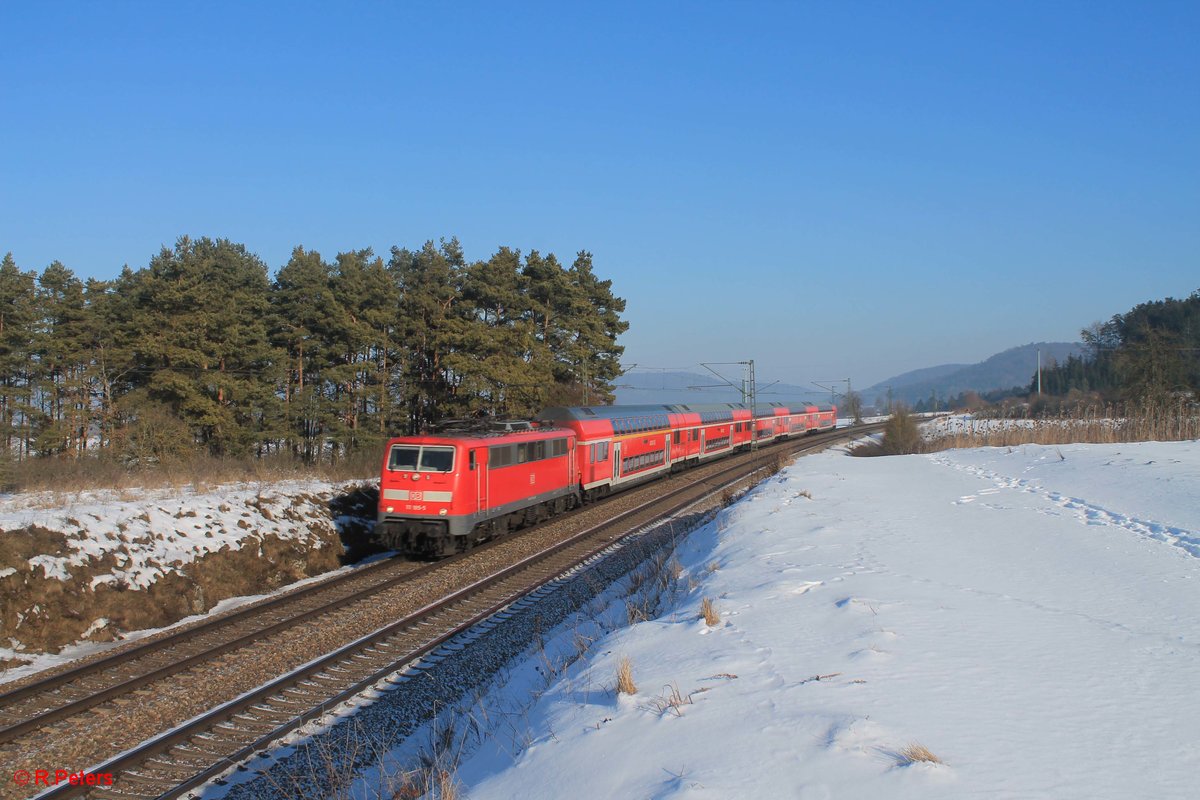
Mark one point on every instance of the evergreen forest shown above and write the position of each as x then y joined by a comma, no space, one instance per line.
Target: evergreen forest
1149,355
201,351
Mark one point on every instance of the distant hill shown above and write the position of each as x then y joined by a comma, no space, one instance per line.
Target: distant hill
692,387
1014,367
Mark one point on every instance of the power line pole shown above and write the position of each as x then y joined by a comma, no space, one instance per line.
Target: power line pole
748,390
753,404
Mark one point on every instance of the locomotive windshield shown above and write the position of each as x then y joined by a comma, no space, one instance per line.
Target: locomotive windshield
414,458
437,459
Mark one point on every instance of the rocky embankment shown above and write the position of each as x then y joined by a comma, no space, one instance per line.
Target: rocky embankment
94,566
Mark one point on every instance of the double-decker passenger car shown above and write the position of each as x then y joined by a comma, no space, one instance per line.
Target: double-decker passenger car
440,494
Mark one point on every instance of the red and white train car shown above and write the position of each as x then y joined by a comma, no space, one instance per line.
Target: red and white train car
440,494
623,445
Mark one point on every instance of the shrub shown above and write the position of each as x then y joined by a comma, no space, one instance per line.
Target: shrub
914,752
900,434
625,684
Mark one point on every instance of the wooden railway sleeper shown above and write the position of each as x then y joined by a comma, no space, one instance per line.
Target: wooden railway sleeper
172,768
190,749
245,721
180,761
130,778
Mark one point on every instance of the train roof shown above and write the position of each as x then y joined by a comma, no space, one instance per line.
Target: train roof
793,406
515,433
586,413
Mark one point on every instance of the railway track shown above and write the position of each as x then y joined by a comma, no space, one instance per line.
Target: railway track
79,688
189,754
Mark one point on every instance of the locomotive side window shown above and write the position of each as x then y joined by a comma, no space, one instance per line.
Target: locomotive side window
525,452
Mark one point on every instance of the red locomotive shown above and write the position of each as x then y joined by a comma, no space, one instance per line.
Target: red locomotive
441,493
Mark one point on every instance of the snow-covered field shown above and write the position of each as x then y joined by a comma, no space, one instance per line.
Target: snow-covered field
1026,614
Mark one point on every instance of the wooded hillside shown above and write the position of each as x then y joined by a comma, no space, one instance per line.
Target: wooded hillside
1150,354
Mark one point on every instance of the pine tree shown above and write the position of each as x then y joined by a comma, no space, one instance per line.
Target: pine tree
62,362
432,326
594,325
111,361
366,296
303,320
18,318
498,340
201,313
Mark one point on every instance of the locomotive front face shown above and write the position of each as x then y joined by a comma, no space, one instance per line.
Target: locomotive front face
421,497
419,480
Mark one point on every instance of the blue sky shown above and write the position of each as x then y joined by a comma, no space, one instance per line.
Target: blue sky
850,189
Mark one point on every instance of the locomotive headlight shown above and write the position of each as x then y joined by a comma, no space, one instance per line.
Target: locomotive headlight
390,509
442,513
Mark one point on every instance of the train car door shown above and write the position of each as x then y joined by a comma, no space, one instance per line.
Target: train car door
616,462
477,461
572,477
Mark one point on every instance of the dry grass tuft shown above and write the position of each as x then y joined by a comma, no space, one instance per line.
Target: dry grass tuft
913,752
625,684
675,569
773,465
671,701
709,612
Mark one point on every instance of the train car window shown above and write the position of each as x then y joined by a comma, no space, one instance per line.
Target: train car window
437,459
522,453
403,458
558,448
471,460
602,451
678,437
